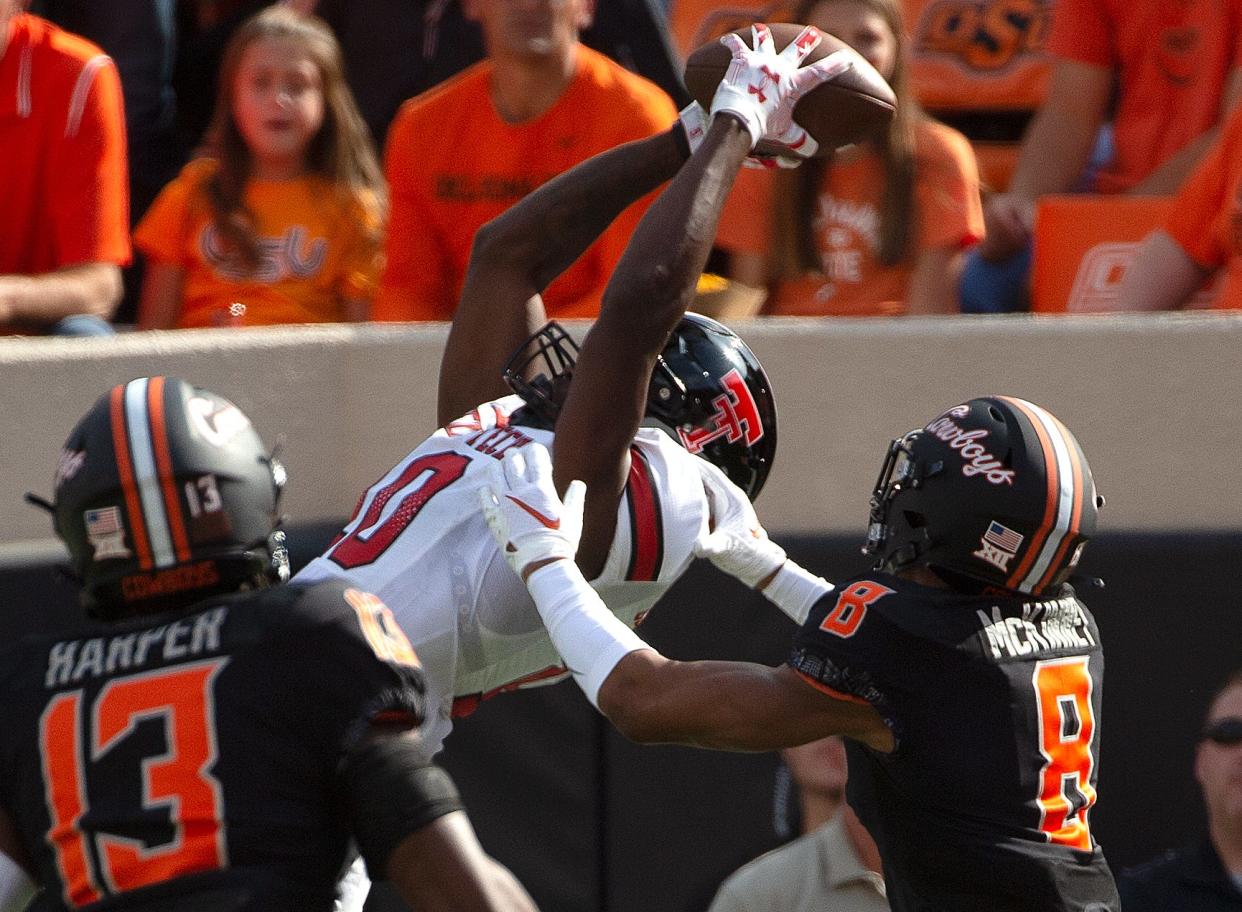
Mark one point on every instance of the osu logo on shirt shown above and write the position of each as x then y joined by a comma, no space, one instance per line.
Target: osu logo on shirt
293,254
988,35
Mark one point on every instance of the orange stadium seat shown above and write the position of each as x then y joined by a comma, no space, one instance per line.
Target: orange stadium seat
1083,244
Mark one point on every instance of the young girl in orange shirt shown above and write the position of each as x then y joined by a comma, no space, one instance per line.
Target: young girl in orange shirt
285,224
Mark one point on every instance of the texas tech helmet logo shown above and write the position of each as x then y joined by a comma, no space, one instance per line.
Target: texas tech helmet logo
736,417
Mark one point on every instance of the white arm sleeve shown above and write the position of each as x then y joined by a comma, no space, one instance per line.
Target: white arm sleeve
795,590
589,637
16,887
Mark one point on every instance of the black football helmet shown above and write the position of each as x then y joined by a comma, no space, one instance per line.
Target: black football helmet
708,391
164,494
994,492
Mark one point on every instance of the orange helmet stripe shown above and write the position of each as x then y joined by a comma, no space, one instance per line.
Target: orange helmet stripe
146,472
163,462
1063,510
129,484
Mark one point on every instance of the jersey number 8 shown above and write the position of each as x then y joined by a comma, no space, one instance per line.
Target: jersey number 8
1066,727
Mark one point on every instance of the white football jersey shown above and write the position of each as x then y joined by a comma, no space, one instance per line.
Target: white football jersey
419,541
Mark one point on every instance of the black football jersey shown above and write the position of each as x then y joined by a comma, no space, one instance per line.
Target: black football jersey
189,760
995,706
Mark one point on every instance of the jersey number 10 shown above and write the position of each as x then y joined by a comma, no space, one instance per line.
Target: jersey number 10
419,481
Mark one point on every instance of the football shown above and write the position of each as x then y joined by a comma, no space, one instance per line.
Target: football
845,110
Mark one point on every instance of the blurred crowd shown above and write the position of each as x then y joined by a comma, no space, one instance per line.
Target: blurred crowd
218,163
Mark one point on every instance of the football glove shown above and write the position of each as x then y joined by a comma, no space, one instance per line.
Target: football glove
785,142
694,127
527,518
761,87
738,543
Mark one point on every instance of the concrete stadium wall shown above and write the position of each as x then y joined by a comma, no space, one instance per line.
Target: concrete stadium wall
1154,400
589,821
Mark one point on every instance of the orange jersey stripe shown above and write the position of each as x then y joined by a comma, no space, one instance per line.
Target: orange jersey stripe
163,462
835,694
125,468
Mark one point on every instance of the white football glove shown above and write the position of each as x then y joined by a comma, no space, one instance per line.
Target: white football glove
694,125
761,87
527,518
786,139
738,544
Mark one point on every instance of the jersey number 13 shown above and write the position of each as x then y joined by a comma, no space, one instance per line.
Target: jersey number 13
77,734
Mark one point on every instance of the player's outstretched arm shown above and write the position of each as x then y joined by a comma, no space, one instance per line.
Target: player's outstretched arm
738,545
409,823
655,282
649,698
516,255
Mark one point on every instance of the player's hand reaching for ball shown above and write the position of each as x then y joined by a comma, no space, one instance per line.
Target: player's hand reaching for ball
761,87
532,525
737,543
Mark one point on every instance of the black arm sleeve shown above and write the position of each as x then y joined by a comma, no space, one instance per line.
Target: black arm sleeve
390,790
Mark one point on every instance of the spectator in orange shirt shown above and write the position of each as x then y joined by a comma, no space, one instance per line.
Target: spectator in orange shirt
1176,71
64,234
1202,235
396,50
878,229
459,155
286,225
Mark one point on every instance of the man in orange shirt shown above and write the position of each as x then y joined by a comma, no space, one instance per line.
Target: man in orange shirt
1177,71
462,153
64,197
